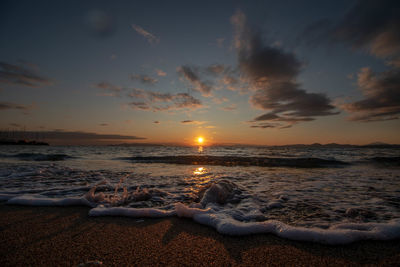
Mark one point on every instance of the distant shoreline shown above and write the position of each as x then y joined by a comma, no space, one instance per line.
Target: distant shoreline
23,143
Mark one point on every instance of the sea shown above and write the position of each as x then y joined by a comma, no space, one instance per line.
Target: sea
329,195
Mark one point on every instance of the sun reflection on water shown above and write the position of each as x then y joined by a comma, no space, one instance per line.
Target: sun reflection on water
200,177
199,170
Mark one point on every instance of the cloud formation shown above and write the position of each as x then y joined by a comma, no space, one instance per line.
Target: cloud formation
271,73
77,135
372,26
161,73
190,74
145,79
11,105
156,101
193,122
151,38
22,74
108,89
381,96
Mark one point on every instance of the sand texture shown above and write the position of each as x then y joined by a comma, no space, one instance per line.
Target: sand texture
49,236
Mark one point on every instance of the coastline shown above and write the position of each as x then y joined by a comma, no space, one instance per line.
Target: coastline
68,236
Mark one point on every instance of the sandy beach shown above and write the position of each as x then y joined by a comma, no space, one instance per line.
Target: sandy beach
49,236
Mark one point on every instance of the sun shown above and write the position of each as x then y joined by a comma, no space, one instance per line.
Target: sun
200,140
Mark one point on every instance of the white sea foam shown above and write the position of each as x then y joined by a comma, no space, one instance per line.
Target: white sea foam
337,234
343,233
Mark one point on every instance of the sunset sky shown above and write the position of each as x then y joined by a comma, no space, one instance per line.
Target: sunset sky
250,72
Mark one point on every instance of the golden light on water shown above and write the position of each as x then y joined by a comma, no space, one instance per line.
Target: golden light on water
199,170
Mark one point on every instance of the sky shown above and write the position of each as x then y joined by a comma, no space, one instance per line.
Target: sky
243,72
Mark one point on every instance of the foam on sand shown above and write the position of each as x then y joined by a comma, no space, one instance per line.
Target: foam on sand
209,211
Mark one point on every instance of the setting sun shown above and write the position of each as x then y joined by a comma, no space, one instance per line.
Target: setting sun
200,140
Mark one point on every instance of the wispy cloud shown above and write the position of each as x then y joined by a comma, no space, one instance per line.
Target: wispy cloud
108,88
22,74
161,73
193,122
10,105
193,78
151,38
271,72
156,101
145,79
381,96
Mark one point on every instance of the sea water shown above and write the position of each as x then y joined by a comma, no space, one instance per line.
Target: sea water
332,195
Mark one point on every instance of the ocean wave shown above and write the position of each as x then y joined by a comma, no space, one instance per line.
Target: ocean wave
393,161
239,161
37,156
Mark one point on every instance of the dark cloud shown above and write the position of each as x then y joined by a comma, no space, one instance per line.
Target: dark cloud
370,25
156,122
193,122
271,73
381,96
100,24
9,105
22,74
103,124
219,76
77,135
156,101
139,105
190,74
145,79
151,38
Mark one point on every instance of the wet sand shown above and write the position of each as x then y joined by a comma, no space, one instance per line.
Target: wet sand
67,236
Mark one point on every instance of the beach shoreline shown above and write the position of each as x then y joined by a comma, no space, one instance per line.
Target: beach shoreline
67,236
